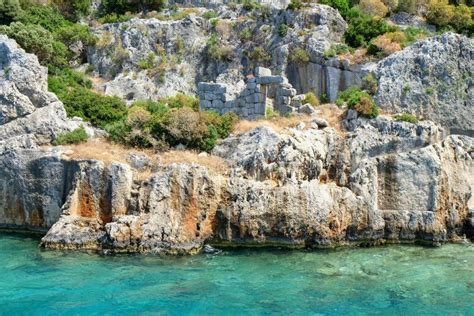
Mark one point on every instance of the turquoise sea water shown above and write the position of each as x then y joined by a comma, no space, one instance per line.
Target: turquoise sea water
390,280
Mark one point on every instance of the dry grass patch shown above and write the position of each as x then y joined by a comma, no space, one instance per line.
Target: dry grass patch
359,56
333,115
278,124
213,163
99,149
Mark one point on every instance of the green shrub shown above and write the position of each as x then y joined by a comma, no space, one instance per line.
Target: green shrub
364,106
250,5
412,34
157,109
337,49
295,5
363,28
198,130
184,126
74,33
181,100
270,113
138,117
46,16
329,53
115,18
311,98
39,41
299,56
440,12
246,34
217,51
343,96
323,98
77,136
224,124
375,8
406,89
406,117
445,15
211,14
462,19
208,142
10,10
408,6
61,81
122,6
358,100
342,6
283,30
370,84
98,109
259,55
118,131
73,9
148,62
43,31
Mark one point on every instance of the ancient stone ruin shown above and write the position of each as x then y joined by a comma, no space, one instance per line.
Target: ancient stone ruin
260,94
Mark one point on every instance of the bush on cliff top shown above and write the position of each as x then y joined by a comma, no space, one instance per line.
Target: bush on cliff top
406,117
98,109
9,11
169,122
43,31
447,16
122,6
73,9
343,6
311,98
363,28
77,136
358,100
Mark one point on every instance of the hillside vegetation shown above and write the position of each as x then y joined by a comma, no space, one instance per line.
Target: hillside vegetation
58,32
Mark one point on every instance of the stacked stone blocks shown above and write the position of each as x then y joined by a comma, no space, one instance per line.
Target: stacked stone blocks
251,101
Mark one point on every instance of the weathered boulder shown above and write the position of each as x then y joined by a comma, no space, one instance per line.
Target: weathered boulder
433,79
29,114
405,20
263,154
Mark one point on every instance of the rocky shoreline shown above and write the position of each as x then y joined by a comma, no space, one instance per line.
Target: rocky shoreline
318,184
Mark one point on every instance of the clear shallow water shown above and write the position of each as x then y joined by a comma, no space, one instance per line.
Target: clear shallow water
392,280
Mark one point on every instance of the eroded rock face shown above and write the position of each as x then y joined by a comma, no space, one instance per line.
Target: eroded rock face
33,182
175,45
311,186
29,114
433,79
151,58
384,182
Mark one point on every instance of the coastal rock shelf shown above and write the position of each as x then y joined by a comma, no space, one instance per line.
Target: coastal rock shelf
356,181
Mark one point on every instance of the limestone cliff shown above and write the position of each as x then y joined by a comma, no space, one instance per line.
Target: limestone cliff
432,78
375,181
155,57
